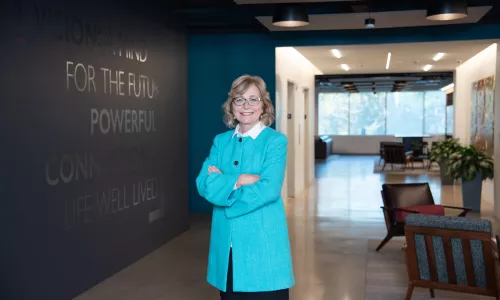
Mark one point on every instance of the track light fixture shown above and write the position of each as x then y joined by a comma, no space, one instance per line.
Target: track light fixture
290,15
446,10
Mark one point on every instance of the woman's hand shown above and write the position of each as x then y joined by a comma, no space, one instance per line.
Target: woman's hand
212,169
246,179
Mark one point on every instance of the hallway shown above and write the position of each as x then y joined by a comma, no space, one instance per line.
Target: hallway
334,230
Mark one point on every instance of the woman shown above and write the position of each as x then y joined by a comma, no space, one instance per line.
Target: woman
249,256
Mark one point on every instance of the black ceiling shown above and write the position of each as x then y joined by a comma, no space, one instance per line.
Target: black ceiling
225,16
384,82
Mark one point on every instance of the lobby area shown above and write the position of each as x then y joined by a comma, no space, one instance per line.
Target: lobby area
126,139
334,227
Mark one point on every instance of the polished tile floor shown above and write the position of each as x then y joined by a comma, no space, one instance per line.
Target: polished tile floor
334,230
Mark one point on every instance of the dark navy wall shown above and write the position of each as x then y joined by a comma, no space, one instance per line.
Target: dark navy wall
93,141
214,61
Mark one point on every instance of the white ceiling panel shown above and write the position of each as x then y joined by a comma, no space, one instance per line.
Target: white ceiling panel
406,57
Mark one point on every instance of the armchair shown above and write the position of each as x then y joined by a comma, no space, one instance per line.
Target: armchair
451,253
402,199
395,154
382,149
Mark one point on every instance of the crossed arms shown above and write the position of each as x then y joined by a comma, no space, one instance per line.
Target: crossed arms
253,191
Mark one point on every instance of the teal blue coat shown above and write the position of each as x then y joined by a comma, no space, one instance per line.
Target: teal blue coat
252,218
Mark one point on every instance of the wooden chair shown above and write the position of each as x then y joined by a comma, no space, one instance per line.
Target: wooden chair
451,253
403,198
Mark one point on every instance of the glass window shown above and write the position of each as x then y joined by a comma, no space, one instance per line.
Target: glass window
367,114
333,113
449,120
399,113
435,112
405,113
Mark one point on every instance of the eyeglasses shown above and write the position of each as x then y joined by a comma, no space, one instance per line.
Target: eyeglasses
240,101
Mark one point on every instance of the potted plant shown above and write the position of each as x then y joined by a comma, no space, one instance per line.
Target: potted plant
440,153
472,167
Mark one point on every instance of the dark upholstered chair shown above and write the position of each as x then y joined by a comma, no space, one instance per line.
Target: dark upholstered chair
395,154
408,198
451,253
323,146
382,147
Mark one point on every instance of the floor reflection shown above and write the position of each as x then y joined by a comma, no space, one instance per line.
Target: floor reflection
334,230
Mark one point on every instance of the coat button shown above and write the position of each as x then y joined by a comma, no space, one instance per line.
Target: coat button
241,140
235,162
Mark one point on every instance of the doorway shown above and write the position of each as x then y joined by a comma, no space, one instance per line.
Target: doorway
291,139
307,141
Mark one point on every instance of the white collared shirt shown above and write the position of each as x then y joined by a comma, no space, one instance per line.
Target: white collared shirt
253,133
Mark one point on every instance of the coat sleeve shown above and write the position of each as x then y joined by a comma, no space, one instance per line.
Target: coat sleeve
249,198
215,188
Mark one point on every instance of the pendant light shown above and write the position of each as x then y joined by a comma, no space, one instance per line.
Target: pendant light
370,22
290,15
446,10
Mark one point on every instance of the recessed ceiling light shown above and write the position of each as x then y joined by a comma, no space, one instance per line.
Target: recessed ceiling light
336,53
345,67
438,56
388,63
427,67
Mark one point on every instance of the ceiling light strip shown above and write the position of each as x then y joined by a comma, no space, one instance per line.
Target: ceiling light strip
427,67
388,63
438,56
336,53
345,67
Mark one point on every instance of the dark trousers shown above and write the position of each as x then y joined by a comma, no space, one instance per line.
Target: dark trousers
230,295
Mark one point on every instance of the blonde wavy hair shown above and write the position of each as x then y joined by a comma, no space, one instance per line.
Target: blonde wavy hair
238,88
